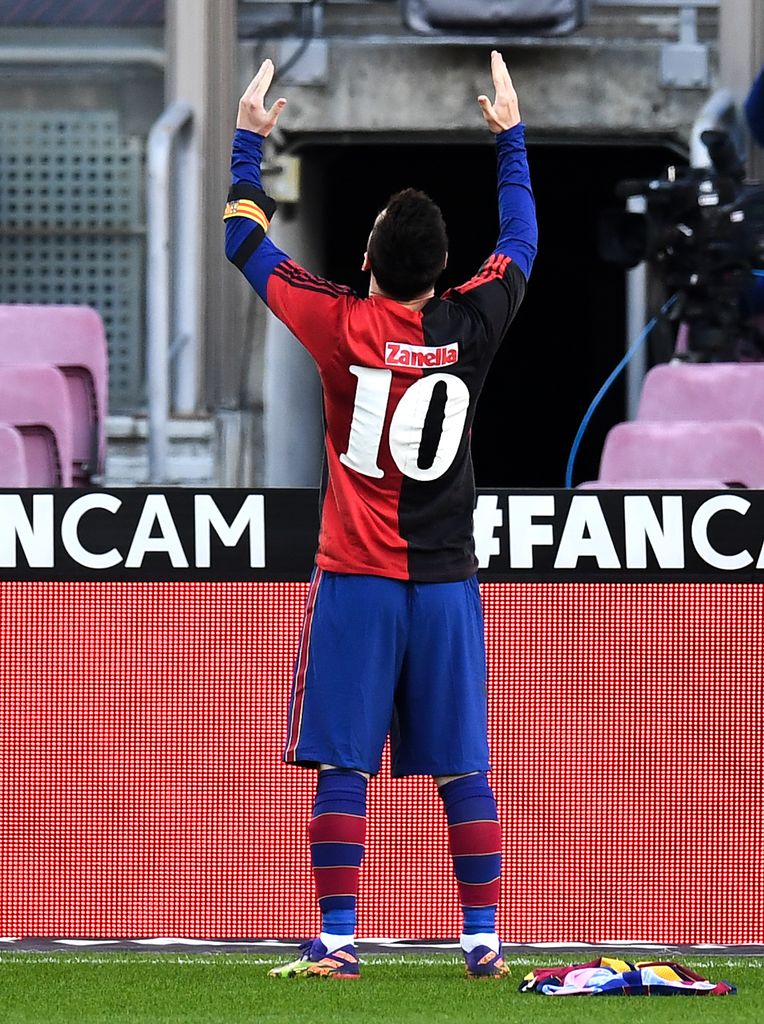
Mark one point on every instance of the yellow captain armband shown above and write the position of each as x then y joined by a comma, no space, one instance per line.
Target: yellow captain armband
248,209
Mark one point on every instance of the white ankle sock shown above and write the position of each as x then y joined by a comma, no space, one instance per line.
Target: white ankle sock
333,942
469,942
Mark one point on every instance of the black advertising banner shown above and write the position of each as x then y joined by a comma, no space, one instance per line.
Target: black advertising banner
160,535
271,535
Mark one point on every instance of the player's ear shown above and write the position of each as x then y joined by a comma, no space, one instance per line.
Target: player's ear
366,265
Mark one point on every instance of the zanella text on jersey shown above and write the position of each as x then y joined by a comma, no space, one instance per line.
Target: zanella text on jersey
398,354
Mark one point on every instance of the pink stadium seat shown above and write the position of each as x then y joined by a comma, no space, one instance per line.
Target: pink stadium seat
703,391
655,484
35,401
13,466
731,451
73,339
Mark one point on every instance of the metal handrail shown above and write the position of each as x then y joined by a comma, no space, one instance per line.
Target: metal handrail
53,54
171,269
597,3
721,110
655,3
683,10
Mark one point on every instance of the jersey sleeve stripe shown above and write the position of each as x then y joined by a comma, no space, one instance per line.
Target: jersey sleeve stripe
294,274
249,246
316,289
246,190
308,283
493,269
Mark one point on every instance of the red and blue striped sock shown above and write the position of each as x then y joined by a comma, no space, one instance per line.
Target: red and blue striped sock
474,838
337,844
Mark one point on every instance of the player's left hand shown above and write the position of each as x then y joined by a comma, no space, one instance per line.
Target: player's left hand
252,113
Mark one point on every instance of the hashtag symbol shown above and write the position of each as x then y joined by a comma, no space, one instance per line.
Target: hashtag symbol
486,518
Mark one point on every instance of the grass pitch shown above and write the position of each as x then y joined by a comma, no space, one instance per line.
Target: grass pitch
222,988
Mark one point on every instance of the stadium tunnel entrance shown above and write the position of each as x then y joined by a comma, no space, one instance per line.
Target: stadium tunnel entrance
570,333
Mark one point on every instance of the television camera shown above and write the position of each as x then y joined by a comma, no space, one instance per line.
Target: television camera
703,231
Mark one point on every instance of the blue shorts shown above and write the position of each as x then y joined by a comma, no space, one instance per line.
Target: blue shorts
381,657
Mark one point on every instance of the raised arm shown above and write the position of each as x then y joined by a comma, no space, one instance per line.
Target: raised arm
518,233
249,210
310,306
498,288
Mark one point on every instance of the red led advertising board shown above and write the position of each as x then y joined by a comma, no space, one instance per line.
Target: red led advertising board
145,666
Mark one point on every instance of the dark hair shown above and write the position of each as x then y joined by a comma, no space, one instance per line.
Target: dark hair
408,245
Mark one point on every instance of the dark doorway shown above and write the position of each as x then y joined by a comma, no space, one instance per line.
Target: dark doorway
569,334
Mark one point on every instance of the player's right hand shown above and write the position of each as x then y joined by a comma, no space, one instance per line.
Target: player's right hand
252,113
504,112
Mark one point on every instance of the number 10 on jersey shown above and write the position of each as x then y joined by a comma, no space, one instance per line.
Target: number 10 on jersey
441,397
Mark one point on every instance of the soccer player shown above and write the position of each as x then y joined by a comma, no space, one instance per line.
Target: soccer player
392,641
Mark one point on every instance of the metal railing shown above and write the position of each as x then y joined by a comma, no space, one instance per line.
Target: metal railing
663,4
721,111
172,286
599,20
22,54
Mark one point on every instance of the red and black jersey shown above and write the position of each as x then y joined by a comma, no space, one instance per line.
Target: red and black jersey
400,392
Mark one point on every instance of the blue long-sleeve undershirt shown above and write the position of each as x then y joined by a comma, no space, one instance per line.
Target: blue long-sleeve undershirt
246,157
518,234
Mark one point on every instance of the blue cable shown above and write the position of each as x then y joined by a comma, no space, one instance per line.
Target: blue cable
631,351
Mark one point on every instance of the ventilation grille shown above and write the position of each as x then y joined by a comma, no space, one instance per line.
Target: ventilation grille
71,227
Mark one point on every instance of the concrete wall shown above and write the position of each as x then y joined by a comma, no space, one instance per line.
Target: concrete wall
133,87
602,90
